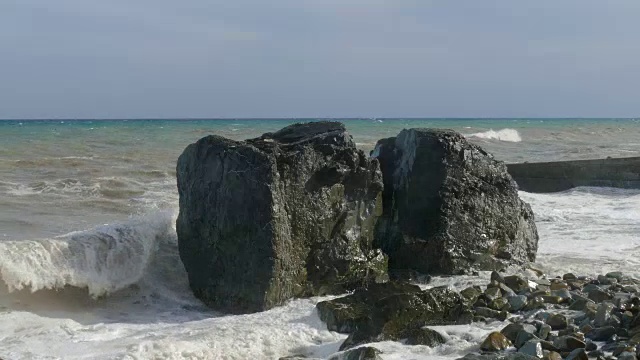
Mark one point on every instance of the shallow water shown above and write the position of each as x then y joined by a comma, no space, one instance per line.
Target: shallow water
87,213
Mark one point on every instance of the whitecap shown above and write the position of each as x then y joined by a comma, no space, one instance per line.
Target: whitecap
509,135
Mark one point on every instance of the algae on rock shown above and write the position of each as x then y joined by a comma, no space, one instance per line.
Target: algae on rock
289,214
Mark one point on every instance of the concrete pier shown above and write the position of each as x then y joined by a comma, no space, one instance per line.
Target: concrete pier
563,175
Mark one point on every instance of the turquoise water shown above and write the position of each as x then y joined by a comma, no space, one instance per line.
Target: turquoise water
88,136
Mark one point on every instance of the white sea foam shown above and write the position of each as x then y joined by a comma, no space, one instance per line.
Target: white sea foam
586,230
509,135
103,260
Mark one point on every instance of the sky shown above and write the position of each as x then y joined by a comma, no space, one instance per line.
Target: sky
313,58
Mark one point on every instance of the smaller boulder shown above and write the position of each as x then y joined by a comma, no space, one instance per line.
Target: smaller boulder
532,348
524,336
361,353
496,341
424,336
511,331
517,302
516,283
392,311
557,322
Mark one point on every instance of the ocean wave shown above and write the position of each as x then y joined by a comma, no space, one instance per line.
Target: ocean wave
59,186
106,187
102,260
509,135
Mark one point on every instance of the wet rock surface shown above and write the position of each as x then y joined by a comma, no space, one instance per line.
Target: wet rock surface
289,214
361,353
606,326
449,206
400,311
394,311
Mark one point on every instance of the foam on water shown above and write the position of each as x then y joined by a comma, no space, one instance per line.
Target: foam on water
509,135
588,230
121,291
585,230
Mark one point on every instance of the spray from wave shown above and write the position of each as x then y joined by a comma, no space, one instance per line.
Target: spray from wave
103,260
508,135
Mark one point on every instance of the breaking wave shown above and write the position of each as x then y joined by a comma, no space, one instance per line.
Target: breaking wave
102,260
509,135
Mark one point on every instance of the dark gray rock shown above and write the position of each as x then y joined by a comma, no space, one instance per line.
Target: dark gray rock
577,354
449,206
493,293
601,334
361,353
552,355
517,302
580,304
423,336
286,215
533,348
596,354
569,276
590,346
495,276
524,336
627,355
517,283
391,311
599,295
490,313
568,343
511,331
557,321
471,293
616,275
606,280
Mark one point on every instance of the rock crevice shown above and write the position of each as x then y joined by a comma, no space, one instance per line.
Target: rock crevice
449,207
289,214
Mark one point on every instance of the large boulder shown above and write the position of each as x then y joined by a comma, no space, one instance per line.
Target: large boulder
449,206
289,214
393,311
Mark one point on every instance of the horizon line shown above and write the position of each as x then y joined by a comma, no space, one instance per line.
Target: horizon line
324,118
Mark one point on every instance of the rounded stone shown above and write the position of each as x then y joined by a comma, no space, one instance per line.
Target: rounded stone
531,348
523,337
557,321
517,302
496,341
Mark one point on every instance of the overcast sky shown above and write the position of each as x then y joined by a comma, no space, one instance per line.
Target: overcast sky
313,58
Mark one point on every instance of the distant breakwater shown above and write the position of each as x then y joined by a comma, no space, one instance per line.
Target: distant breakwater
544,177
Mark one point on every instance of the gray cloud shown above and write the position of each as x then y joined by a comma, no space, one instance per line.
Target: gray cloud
249,58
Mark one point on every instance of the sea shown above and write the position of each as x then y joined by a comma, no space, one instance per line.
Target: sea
89,265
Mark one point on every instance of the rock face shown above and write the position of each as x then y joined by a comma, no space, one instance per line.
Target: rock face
289,214
449,206
393,311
